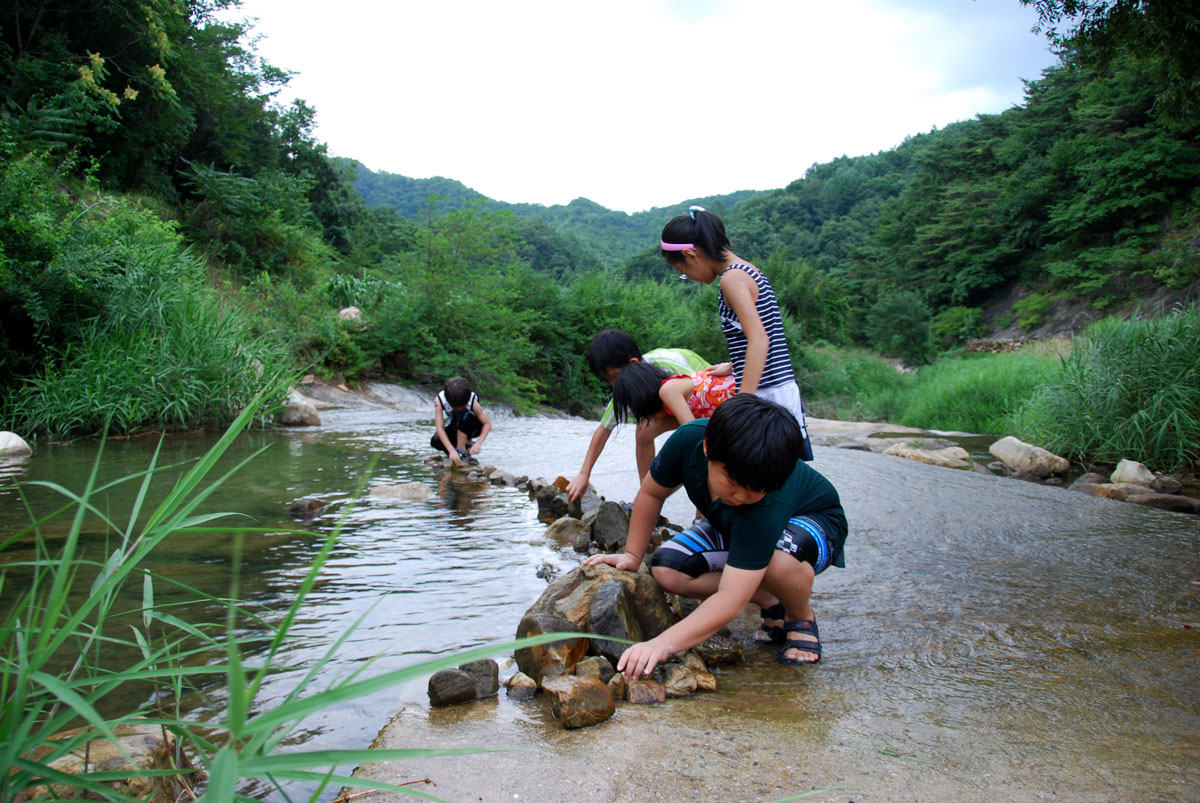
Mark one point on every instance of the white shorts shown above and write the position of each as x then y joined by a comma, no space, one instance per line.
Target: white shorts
788,396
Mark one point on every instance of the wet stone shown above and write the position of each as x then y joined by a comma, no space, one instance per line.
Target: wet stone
644,692
521,687
555,658
610,527
720,651
616,686
551,502
578,702
706,681
597,667
613,612
486,674
451,686
680,681
567,530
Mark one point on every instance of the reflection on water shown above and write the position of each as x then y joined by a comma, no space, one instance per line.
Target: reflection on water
997,630
409,579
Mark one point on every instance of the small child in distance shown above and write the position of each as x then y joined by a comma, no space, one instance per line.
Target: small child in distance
462,424
645,392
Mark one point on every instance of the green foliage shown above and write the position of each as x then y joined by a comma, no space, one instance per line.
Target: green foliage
898,325
1031,309
816,302
1165,33
849,383
954,326
975,392
1128,389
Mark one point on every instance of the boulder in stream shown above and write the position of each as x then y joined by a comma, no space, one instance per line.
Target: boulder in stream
13,445
1131,471
1026,458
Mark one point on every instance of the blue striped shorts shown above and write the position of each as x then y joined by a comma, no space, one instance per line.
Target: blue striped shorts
700,548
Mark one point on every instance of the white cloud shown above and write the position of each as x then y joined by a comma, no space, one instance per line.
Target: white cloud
639,104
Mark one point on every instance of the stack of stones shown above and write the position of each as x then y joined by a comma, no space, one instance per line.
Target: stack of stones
577,674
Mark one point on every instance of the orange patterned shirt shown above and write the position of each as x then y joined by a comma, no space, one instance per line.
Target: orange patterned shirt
708,392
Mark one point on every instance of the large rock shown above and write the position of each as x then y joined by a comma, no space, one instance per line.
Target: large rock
299,414
1024,457
12,445
1120,492
570,597
949,457
566,530
142,747
610,528
578,702
1131,471
557,657
613,612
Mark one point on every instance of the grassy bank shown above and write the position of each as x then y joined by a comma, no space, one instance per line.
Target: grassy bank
1124,389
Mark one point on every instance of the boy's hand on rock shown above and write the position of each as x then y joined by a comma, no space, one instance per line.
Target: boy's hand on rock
640,659
624,561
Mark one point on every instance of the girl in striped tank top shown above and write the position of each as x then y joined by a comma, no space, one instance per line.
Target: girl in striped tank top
696,245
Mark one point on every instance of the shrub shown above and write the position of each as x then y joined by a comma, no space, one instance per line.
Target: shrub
898,325
1129,389
954,326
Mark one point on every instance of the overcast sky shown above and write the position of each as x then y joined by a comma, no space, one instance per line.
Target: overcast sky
639,104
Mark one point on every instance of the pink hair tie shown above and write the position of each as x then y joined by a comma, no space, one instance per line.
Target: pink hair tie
675,246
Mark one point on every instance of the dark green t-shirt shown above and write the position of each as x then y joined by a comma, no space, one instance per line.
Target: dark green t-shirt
752,530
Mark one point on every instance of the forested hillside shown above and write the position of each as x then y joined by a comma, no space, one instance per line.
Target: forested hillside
169,229
610,235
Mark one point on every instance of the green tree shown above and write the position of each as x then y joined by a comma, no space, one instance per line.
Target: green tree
1165,33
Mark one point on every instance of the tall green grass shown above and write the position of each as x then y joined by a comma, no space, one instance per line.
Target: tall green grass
850,384
54,638
1128,389
975,392
158,349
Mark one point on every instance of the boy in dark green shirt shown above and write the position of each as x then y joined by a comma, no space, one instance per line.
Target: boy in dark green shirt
771,525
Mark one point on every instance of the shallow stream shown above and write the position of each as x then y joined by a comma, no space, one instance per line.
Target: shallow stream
989,639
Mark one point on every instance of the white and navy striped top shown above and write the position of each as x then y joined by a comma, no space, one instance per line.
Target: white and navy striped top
778,370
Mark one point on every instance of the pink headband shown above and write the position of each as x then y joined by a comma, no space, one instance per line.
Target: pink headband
675,246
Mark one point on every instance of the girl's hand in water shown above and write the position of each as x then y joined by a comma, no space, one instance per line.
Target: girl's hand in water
624,561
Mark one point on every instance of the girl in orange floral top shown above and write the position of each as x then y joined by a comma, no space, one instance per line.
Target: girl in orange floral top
643,391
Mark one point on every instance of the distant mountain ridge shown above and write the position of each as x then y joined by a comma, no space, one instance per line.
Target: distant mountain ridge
608,233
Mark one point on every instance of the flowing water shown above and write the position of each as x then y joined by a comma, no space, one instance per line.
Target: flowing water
989,639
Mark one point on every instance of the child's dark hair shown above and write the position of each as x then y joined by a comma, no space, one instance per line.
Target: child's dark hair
612,348
759,442
635,393
458,391
702,229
